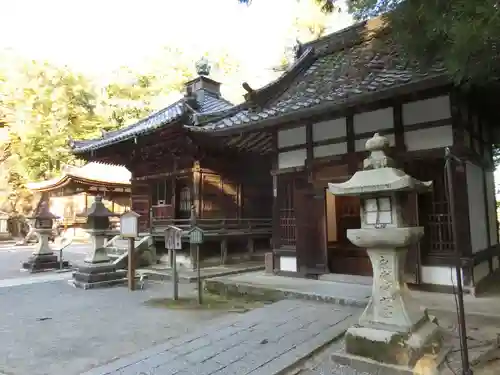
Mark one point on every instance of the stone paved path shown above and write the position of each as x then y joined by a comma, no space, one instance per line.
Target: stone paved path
261,342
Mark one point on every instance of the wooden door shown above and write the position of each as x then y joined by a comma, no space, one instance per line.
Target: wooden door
412,264
311,231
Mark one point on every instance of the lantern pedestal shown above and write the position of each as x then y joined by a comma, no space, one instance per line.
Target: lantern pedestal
393,329
89,276
43,258
98,252
97,270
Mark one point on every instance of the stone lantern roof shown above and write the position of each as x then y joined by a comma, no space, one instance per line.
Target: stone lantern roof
378,174
44,212
98,209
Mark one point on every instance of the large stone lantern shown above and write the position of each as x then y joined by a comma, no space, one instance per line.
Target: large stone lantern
393,329
43,258
97,269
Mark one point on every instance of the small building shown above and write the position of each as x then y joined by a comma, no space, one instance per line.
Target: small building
176,168
313,123
4,227
71,193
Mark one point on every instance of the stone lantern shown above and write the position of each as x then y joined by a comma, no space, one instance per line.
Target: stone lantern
392,330
97,269
97,226
43,258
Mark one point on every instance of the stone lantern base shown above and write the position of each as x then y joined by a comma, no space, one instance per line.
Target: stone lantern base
44,262
98,275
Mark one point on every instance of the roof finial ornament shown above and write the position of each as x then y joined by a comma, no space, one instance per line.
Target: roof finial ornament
203,67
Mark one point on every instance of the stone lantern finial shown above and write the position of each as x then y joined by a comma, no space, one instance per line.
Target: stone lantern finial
377,159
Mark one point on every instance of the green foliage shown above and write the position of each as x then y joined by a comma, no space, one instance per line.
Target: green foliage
464,33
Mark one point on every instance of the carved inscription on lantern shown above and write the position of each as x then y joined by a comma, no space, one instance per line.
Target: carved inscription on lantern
386,299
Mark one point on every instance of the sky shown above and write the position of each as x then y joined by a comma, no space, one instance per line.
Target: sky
97,36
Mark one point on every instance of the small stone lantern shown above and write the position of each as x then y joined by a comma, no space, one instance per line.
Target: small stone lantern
97,226
43,257
392,330
97,269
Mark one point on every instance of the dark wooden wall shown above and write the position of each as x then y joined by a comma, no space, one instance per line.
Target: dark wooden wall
235,188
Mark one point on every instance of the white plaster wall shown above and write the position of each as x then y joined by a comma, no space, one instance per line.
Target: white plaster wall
295,158
331,149
481,271
477,209
288,264
359,144
438,275
496,263
292,137
426,139
433,109
492,207
329,129
375,120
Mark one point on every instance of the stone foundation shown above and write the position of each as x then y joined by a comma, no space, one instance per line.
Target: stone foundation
43,262
98,275
395,348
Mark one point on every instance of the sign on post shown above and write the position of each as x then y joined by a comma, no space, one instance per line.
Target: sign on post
129,228
173,242
129,224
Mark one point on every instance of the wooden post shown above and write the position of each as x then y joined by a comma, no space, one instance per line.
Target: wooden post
198,275
175,279
223,251
131,264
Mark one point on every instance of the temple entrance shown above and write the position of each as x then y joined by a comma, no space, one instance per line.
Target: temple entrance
342,213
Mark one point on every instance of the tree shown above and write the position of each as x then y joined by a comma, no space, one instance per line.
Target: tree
463,33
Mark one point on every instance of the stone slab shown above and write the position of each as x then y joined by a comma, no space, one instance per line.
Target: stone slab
43,262
190,276
260,285
266,341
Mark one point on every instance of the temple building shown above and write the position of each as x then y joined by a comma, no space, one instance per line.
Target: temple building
274,154
177,172
73,191
318,115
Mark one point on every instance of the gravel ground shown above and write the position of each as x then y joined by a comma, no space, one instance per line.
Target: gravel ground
52,328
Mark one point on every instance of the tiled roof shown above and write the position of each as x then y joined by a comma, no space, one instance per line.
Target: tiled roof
208,102
96,172
347,67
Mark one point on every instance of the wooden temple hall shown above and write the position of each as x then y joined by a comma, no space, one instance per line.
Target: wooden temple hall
74,190
176,169
273,155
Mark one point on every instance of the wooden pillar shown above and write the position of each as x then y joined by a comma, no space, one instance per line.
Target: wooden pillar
275,236
196,198
352,159
223,251
461,198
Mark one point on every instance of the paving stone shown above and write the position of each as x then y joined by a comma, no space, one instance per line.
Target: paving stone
290,328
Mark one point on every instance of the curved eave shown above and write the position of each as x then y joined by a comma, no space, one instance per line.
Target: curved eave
97,144
61,182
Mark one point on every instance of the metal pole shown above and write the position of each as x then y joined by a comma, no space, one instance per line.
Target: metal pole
174,275
61,258
449,158
131,264
200,291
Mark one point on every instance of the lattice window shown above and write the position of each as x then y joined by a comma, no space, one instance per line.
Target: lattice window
434,207
185,199
286,212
